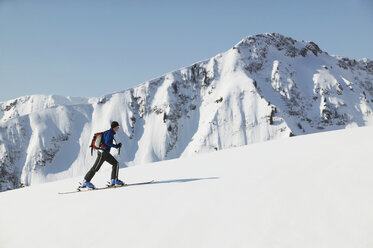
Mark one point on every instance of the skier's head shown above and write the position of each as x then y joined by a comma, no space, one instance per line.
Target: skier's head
115,126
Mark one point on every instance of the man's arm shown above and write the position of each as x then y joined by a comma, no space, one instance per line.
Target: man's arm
108,139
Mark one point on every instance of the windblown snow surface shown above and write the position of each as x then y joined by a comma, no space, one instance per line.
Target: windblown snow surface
266,87
307,191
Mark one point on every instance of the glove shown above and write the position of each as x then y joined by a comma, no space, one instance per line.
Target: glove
119,145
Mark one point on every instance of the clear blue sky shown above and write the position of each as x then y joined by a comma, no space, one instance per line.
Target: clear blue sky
96,47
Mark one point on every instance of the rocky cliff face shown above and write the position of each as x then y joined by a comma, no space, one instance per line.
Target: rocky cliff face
266,87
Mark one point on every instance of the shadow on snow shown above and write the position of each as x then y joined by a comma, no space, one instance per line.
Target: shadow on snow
184,180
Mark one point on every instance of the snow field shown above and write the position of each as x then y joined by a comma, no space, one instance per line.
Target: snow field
308,191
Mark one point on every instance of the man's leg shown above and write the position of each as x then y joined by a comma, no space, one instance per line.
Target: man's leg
96,166
115,170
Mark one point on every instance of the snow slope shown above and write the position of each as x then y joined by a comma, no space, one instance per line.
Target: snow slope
266,87
307,191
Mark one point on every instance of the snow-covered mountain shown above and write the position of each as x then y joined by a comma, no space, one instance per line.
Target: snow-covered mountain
266,87
308,191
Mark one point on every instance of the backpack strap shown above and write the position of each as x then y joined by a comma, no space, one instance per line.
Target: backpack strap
91,145
102,145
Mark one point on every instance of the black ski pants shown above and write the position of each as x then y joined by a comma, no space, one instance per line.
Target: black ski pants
101,158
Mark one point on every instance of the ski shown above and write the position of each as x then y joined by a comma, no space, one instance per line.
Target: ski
86,189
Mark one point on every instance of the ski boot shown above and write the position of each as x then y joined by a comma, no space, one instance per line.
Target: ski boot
114,182
87,184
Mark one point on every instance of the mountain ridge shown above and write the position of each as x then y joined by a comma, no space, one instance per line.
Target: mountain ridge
266,87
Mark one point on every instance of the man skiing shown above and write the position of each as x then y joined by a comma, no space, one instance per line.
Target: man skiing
103,154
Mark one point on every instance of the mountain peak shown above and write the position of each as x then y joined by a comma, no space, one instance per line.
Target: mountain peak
291,47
